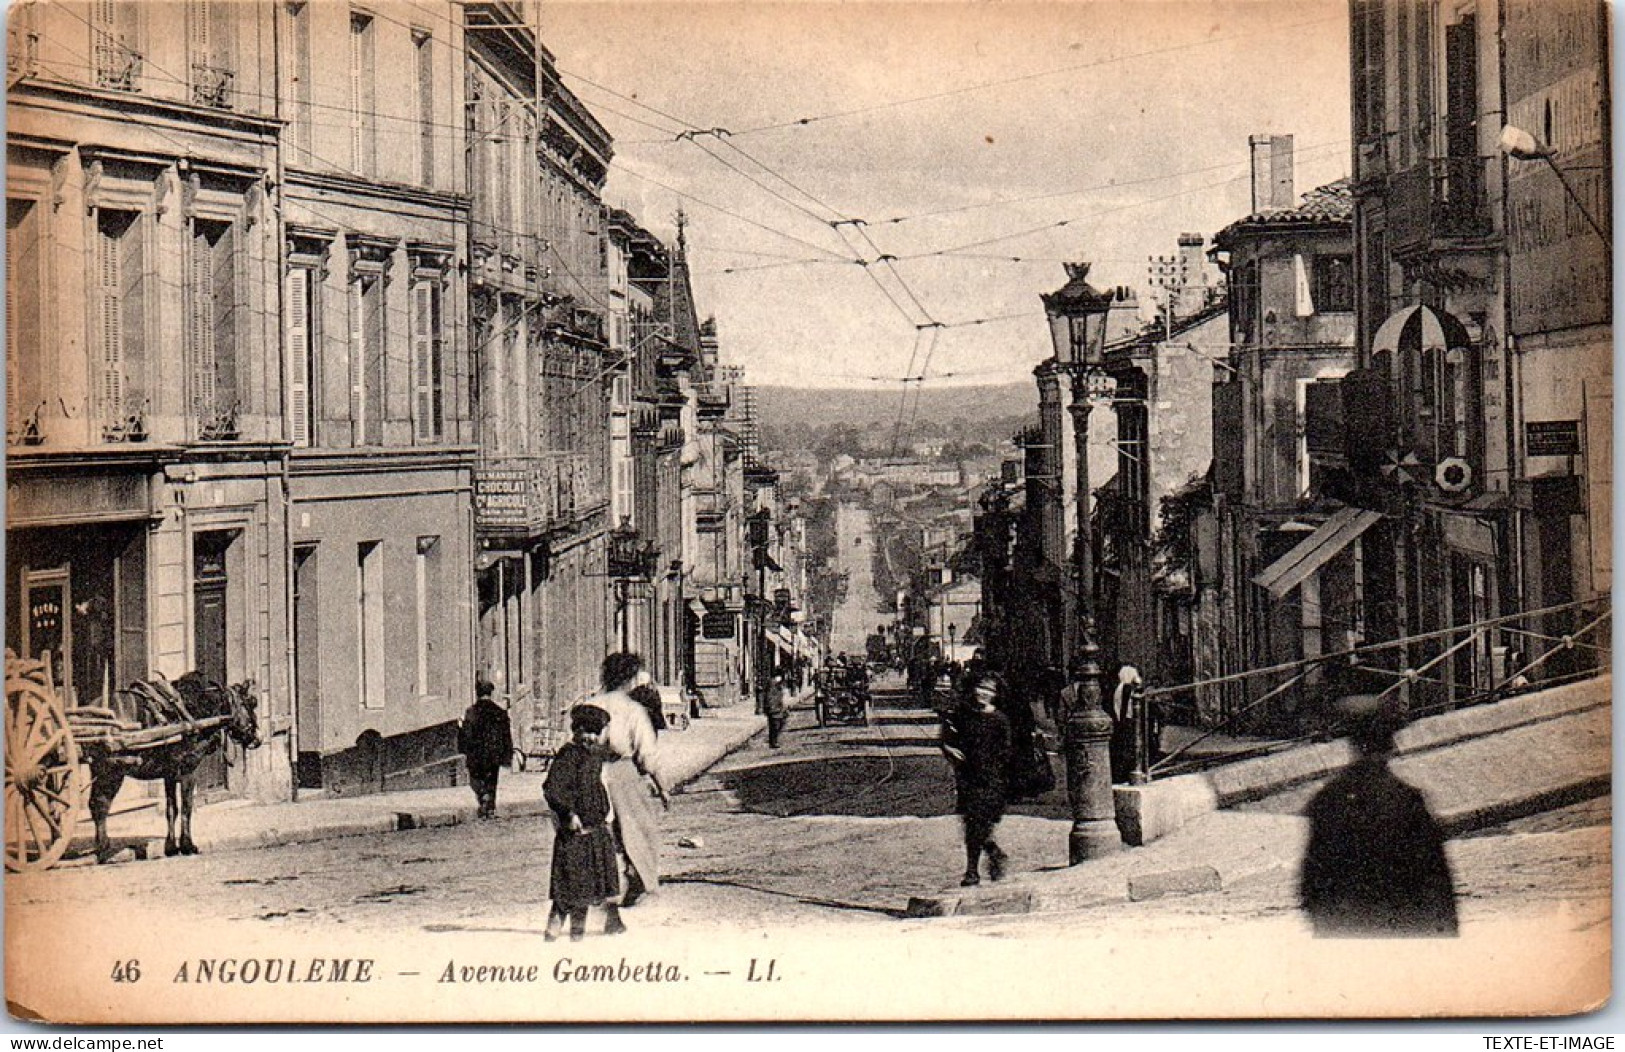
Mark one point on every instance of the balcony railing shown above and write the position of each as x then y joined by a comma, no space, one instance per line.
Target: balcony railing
1441,199
211,86
117,66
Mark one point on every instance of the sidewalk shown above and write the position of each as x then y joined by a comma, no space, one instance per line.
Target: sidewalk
1477,768
239,824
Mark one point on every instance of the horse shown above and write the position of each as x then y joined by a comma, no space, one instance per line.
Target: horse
152,705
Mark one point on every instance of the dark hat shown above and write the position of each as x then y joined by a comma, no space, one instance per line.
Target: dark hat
484,688
1370,720
588,718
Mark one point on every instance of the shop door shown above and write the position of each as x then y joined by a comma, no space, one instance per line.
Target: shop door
47,631
209,613
307,695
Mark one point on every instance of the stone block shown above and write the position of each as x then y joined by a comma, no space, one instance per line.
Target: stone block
992,901
1147,812
920,907
1194,881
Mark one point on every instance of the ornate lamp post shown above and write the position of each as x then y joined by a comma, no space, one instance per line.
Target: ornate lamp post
1077,320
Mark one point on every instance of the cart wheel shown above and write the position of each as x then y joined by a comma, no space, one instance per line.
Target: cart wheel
45,783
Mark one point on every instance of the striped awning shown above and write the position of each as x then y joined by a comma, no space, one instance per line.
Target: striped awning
1315,550
1416,329
782,641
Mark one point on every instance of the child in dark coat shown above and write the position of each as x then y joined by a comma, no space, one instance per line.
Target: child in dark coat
586,870
976,740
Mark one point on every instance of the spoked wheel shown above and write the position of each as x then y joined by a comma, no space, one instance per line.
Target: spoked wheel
44,780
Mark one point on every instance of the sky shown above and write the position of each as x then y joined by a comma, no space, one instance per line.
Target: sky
860,173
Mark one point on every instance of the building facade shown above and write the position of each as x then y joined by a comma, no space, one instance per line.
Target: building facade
329,369
374,343
1483,293
147,513
540,311
1275,546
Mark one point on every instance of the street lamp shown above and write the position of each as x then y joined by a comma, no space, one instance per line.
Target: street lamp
953,642
1521,145
1077,314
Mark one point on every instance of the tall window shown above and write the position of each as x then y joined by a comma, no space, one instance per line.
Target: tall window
370,623
25,388
120,323
299,77
211,306
1370,78
1333,283
428,414
367,348
423,47
301,340
427,581
115,44
1133,469
209,29
362,93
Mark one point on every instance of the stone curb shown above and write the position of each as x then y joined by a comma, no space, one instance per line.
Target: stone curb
1147,812
435,816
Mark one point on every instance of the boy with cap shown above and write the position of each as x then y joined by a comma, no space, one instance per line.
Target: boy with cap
586,869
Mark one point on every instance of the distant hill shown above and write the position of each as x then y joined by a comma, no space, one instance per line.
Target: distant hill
819,408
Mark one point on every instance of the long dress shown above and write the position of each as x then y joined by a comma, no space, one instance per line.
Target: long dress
630,739
585,868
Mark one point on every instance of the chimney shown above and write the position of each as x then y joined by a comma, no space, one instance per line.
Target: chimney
1191,292
1272,171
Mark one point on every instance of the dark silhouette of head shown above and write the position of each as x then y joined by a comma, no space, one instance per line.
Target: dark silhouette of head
588,718
1370,721
620,669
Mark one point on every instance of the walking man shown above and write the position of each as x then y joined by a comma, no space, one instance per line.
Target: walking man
976,740
485,739
773,707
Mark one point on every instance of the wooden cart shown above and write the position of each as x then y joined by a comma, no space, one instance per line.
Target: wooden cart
49,748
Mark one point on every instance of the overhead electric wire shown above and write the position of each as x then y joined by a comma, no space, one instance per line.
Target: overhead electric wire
685,195
1019,78
1113,185
695,133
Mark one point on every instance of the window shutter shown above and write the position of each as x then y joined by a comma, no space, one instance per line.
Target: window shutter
14,408
200,327
357,27
369,102
222,19
221,315
423,362
298,330
358,418
437,361
110,324
197,31
103,38
426,129
373,385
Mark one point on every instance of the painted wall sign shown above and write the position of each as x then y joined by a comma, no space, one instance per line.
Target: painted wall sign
1551,438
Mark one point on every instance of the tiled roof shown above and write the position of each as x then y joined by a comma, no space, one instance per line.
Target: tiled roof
1329,204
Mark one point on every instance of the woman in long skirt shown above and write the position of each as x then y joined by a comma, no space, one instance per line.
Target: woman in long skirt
632,774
